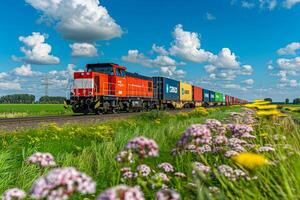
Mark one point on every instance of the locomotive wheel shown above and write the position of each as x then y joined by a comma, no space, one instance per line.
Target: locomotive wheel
98,112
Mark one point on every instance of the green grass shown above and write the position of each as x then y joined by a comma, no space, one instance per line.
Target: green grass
92,149
26,110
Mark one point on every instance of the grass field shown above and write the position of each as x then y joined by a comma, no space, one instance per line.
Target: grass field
93,149
26,110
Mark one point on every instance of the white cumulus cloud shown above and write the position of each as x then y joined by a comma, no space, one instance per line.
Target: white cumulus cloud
289,49
187,46
246,4
83,50
25,70
292,64
172,71
290,3
36,50
269,4
248,82
10,85
3,75
159,50
79,20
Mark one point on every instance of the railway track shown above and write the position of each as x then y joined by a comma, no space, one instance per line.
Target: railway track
32,122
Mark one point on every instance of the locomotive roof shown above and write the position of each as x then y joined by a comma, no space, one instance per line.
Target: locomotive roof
136,75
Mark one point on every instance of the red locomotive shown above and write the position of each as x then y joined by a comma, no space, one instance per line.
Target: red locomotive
108,87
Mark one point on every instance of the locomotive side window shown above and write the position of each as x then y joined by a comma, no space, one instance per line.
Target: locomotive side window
150,87
120,72
97,83
103,69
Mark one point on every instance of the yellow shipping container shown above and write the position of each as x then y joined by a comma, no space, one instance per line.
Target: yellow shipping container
186,92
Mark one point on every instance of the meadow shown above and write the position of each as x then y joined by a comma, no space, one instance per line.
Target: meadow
270,172
28,110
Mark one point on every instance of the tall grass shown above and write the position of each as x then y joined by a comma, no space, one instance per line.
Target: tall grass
92,149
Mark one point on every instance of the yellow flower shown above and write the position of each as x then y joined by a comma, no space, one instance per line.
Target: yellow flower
269,113
266,107
264,134
250,160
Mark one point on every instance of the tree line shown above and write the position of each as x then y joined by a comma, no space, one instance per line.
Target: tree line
287,101
30,99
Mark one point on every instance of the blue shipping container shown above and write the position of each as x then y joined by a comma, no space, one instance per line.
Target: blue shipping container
212,95
166,89
206,95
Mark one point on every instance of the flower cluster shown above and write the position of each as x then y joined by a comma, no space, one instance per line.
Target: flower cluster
14,193
166,194
42,159
143,170
232,174
143,147
199,167
195,138
265,149
215,126
230,153
122,192
241,130
167,167
179,174
125,156
61,183
161,177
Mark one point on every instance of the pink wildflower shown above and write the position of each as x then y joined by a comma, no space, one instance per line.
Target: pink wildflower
143,147
238,130
179,174
61,183
122,192
143,170
200,167
230,153
265,149
42,159
125,156
14,193
167,167
166,194
161,176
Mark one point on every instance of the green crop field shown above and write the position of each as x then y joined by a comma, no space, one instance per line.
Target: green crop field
271,170
26,110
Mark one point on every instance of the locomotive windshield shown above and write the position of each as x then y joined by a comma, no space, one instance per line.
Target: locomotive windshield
105,69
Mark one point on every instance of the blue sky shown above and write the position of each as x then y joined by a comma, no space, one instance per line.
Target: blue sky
250,49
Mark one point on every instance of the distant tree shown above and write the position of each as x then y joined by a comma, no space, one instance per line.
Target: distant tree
287,101
51,100
17,99
296,101
268,99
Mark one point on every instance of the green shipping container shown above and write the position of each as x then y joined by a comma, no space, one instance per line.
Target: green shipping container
219,97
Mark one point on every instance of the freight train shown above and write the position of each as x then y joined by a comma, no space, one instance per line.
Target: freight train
110,88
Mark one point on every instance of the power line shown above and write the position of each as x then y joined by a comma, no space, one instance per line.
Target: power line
46,83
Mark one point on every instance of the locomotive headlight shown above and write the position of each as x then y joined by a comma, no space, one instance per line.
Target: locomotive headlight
82,74
90,94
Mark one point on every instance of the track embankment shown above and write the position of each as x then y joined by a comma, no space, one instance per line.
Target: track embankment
35,122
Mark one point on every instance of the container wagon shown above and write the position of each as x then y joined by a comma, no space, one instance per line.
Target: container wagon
186,95
212,99
197,96
166,91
